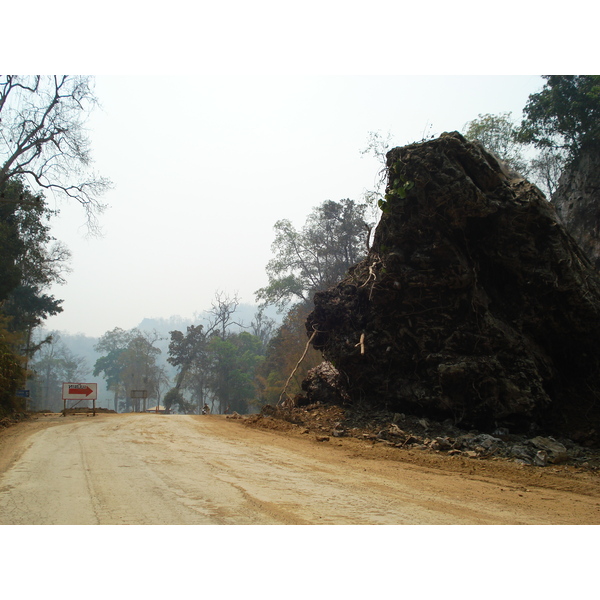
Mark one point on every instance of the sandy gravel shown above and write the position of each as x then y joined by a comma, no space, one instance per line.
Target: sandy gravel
168,469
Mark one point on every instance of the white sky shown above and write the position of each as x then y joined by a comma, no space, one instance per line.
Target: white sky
203,166
241,114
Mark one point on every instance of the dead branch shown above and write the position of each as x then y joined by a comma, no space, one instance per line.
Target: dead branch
295,369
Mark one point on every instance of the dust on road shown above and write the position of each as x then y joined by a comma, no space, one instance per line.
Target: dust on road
168,469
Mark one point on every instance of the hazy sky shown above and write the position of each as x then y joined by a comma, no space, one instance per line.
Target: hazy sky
243,113
204,165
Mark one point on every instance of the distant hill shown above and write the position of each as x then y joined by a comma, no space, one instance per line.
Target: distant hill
244,315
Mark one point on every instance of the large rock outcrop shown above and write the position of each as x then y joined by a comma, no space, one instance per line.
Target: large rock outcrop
473,303
577,202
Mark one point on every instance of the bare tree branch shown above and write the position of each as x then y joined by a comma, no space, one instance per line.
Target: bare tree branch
43,140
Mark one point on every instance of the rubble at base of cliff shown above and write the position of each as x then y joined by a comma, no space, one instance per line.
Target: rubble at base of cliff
397,430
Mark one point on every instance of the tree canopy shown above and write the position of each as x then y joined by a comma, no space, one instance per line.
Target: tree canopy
565,114
498,134
502,136
333,239
129,363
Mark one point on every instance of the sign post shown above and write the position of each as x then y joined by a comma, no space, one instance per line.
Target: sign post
139,395
79,392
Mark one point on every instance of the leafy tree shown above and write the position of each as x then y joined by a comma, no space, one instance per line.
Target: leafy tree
189,353
32,259
546,168
140,371
564,115
262,327
42,122
174,398
53,365
283,352
129,364
113,344
12,370
333,239
215,368
498,134
234,362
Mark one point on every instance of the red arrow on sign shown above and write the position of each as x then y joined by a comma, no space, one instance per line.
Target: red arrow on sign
80,391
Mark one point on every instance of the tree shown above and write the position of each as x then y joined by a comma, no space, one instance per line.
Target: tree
222,309
262,327
546,169
31,260
283,352
333,239
234,362
53,365
129,364
498,134
564,115
189,353
12,370
43,138
113,344
140,371
378,146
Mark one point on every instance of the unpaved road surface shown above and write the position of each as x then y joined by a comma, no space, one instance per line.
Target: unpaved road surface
168,469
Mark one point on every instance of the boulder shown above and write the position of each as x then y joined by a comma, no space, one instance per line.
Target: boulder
323,385
474,303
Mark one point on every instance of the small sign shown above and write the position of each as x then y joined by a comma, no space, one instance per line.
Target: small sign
80,391
23,393
138,394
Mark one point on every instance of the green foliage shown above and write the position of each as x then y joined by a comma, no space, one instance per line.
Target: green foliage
32,260
129,363
234,362
498,134
216,366
12,375
53,365
565,114
398,187
283,352
175,398
333,239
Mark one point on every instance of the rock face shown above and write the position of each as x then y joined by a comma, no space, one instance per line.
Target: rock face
474,302
577,202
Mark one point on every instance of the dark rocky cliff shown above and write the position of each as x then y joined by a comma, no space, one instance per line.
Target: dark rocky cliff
577,202
474,302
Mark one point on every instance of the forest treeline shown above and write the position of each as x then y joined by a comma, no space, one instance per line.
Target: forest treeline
228,365
222,362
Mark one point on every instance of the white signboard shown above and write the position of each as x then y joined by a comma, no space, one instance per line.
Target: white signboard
80,391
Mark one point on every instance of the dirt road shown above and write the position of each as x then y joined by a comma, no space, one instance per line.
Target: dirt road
168,469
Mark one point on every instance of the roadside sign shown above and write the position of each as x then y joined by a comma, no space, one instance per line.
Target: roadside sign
80,391
23,393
